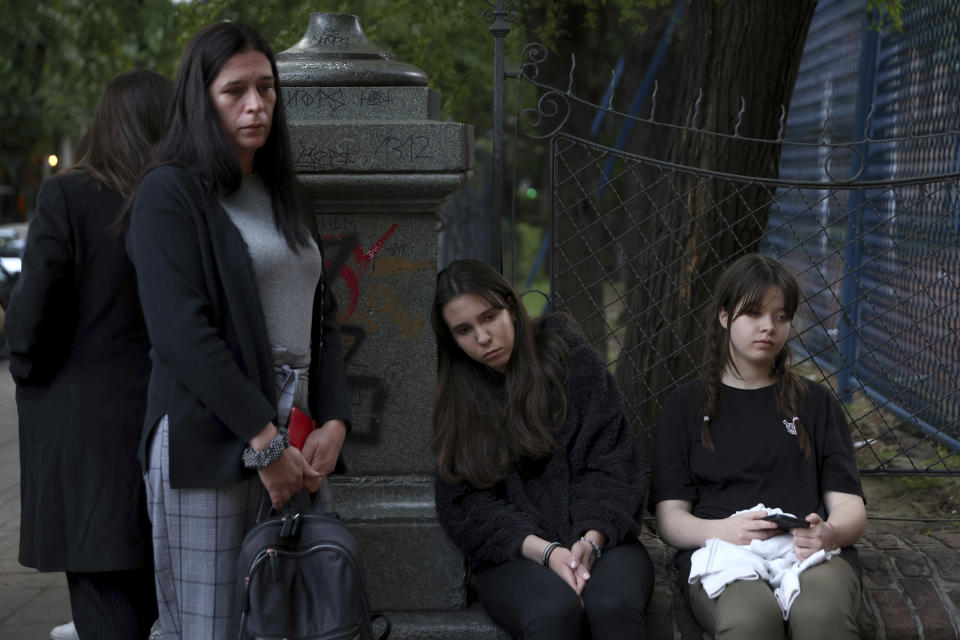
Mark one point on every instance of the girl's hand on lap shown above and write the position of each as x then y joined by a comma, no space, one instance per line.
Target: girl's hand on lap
820,535
742,528
561,561
581,560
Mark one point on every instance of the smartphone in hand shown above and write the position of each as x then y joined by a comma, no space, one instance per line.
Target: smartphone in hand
786,522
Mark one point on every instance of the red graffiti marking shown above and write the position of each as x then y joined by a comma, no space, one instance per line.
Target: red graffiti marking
362,259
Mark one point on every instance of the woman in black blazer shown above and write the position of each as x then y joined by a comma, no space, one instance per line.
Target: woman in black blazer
79,357
241,325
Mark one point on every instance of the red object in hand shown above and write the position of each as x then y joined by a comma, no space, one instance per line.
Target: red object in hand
300,427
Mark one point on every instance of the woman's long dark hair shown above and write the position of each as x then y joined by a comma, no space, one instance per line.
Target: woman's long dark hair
740,290
130,119
195,140
482,430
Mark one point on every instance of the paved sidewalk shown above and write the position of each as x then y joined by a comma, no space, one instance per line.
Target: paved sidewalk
911,583
31,603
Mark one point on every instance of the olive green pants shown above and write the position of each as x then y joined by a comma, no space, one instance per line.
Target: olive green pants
826,607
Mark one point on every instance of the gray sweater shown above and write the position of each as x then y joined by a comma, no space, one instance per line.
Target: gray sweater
285,280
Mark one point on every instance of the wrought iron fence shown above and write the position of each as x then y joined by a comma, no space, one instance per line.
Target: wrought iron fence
869,225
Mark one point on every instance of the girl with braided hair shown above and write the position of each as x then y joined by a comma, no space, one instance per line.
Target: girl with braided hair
751,433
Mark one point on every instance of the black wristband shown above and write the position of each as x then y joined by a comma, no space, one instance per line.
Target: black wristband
545,560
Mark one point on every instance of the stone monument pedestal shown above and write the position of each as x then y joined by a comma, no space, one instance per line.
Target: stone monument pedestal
377,164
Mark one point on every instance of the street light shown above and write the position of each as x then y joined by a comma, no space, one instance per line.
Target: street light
53,160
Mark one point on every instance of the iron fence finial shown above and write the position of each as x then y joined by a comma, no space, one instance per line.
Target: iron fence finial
866,128
613,84
696,109
825,125
653,101
743,107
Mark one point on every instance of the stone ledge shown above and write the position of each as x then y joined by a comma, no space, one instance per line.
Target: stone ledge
469,624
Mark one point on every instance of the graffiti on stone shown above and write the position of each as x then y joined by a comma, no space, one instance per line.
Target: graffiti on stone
331,36
314,157
327,101
376,389
374,97
334,226
410,148
371,394
386,301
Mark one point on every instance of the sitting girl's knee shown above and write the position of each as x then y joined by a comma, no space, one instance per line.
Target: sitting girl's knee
612,605
750,622
555,618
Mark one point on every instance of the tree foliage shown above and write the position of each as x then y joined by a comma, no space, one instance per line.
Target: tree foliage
56,55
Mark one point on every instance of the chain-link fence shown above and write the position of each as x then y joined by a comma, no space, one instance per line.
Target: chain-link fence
635,266
882,275
869,226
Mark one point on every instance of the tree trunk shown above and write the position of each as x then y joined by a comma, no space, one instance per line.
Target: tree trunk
698,224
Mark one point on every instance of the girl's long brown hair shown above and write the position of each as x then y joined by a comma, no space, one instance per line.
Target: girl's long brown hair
740,290
481,427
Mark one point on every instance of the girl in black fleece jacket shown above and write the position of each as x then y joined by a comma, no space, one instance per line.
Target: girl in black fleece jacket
538,476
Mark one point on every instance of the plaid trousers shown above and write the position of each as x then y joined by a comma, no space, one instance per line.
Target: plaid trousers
197,535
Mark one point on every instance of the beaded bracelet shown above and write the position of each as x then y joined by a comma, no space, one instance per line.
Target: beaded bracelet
545,560
596,549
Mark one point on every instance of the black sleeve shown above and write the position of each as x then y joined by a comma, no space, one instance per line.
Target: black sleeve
164,245
605,492
482,524
331,395
838,465
672,478
41,313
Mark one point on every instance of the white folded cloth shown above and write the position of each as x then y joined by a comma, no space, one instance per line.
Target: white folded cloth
772,560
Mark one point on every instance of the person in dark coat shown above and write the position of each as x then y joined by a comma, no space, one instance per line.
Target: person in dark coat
79,357
243,329
538,474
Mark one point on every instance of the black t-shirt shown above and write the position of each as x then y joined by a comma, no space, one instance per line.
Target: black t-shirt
755,459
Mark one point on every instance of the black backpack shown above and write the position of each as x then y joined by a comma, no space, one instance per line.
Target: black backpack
300,576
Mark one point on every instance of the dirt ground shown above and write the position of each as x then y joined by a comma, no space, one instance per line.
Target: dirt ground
912,505
916,503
